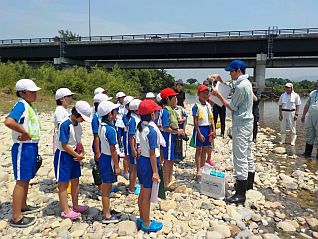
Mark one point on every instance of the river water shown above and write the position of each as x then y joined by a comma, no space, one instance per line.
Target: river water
306,202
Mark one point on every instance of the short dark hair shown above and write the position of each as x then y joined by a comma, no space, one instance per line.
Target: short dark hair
75,113
96,104
58,102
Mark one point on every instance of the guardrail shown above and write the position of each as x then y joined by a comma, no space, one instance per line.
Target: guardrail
164,36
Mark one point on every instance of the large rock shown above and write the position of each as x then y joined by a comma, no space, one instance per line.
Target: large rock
312,222
66,224
231,210
286,226
244,234
279,150
270,236
254,196
214,235
222,229
3,224
127,228
166,205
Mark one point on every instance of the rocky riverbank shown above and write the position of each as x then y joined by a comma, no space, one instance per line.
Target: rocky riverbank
269,212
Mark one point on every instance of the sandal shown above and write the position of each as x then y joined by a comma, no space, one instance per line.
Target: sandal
30,209
23,222
71,215
81,209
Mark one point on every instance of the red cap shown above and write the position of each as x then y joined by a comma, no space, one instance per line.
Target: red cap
165,93
147,107
202,88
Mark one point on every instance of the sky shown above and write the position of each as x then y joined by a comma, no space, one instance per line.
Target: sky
43,18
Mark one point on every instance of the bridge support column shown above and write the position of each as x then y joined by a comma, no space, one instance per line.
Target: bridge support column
259,71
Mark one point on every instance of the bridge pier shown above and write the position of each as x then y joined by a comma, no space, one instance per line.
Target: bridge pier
259,71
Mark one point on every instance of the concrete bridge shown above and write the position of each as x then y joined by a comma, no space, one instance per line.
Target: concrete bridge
261,49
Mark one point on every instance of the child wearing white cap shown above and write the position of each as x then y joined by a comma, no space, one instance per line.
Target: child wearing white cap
63,98
108,161
133,146
150,96
24,123
67,158
120,96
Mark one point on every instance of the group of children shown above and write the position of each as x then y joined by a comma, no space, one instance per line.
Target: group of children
143,133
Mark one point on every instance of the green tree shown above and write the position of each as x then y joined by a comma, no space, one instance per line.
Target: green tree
67,36
192,81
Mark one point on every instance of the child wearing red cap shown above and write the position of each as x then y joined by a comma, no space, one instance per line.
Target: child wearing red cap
169,120
148,162
204,128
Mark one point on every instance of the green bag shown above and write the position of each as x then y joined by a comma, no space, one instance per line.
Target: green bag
192,144
162,192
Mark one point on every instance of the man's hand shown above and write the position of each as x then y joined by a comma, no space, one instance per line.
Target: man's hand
24,137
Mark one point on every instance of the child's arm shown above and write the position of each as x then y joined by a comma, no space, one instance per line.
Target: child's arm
115,158
213,131
132,141
153,161
196,126
13,125
68,149
96,147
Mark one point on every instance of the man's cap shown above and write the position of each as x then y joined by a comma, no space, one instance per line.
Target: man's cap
100,90
105,107
236,64
120,94
202,88
134,104
150,95
62,92
84,109
101,97
165,93
179,81
147,107
158,97
128,99
290,85
26,84
254,84
205,82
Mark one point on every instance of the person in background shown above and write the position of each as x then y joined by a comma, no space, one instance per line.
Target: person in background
67,159
256,99
289,103
98,98
219,111
150,96
108,161
169,120
25,125
241,106
148,164
100,90
311,107
120,96
126,119
203,130
180,93
133,146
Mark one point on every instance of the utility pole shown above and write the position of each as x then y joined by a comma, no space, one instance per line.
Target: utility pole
89,19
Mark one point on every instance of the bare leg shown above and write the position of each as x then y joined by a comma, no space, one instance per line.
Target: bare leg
140,200
126,164
62,186
203,156
132,177
75,192
18,198
106,189
208,152
146,192
197,157
167,171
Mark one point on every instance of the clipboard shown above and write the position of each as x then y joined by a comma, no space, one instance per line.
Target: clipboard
224,90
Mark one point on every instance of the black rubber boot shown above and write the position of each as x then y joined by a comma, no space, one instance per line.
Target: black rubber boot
250,180
240,194
308,150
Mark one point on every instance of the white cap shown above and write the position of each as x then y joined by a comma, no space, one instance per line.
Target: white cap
290,85
150,95
158,98
128,99
62,92
26,84
101,97
84,109
105,107
134,104
99,90
120,94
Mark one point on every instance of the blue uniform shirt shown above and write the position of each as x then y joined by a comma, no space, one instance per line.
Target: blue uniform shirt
95,123
165,118
17,112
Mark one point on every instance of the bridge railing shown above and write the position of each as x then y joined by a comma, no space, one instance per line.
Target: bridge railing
184,35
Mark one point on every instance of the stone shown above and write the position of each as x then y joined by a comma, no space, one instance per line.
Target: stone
77,233
279,150
79,226
222,229
214,235
3,224
181,189
270,236
231,211
312,222
246,213
254,196
126,228
66,224
256,218
55,224
166,205
286,226
244,234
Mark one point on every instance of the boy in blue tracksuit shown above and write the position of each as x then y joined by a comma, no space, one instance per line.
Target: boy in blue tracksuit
67,159
24,123
148,163
108,161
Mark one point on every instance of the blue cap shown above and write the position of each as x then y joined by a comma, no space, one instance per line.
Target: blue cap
180,81
236,64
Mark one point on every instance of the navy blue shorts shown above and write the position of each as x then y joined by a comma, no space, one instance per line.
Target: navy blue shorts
205,131
24,157
126,142
168,151
65,167
107,170
144,171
